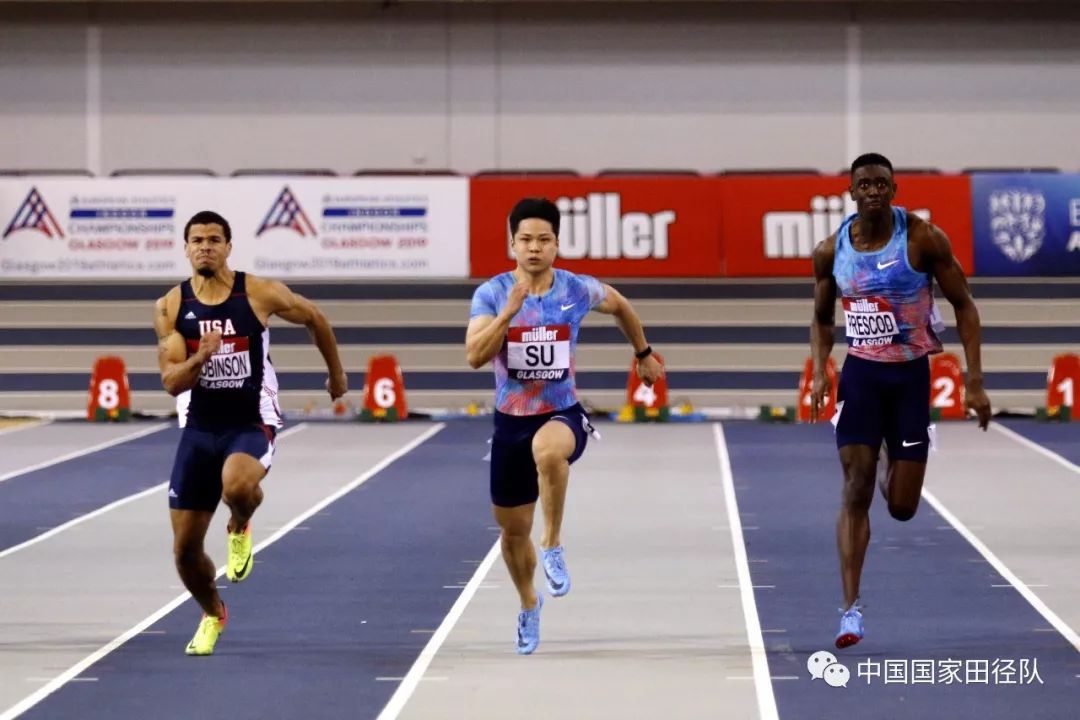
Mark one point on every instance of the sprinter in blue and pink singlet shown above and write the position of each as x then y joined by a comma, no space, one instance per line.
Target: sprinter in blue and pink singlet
882,263
214,348
526,323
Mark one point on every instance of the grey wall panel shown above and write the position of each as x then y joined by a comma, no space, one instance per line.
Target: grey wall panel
43,86
591,85
366,91
960,93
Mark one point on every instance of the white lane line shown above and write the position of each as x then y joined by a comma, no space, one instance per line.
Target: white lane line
107,508
75,670
1005,572
1032,445
86,451
416,673
1030,585
763,685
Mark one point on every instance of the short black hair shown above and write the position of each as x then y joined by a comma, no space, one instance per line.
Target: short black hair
871,159
206,217
539,208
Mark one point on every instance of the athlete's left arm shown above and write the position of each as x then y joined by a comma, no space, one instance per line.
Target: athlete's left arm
277,299
614,303
938,259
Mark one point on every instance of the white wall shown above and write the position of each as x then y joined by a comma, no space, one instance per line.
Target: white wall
585,86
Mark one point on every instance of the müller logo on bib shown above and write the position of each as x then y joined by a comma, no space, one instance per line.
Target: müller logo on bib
538,353
870,322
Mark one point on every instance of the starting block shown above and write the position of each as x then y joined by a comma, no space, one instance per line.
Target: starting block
645,403
946,388
110,396
1062,381
806,384
384,391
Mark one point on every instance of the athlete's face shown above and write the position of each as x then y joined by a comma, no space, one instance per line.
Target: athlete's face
535,245
873,189
207,249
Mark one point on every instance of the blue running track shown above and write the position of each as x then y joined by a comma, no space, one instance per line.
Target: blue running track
325,612
927,593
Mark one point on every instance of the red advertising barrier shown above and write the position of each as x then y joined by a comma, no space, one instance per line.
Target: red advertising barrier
772,223
617,227
752,226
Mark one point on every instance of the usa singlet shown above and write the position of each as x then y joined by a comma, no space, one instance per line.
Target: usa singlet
889,309
534,370
237,385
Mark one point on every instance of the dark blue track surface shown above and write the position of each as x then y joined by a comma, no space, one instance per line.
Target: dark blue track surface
32,503
325,611
1062,438
927,593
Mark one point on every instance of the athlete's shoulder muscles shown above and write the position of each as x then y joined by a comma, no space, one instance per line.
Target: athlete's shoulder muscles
610,300
273,297
936,256
484,303
592,290
165,311
823,255
170,343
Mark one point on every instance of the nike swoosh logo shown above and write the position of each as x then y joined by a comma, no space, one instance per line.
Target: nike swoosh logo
244,569
555,585
882,266
564,308
905,443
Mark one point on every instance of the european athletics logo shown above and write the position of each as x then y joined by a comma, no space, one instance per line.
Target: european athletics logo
34,214
286,213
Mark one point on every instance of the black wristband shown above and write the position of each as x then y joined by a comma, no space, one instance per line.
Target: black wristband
644,353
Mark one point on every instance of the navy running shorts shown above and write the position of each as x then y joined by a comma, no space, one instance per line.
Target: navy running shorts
887,401
514,480
200,458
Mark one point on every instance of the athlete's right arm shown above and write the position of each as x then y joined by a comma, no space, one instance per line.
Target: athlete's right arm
824,322
178,372
486,333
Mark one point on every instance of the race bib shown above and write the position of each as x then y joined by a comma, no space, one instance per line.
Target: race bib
870,322
229,367
538,353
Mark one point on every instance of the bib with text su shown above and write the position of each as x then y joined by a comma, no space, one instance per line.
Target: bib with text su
538,353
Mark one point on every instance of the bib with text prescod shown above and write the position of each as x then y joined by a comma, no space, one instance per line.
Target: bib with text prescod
870,322
538,353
